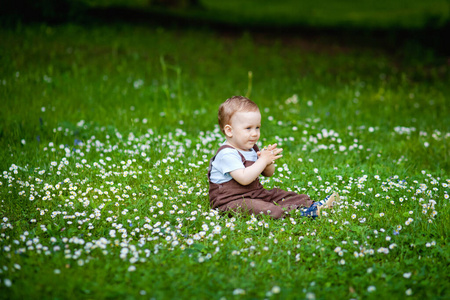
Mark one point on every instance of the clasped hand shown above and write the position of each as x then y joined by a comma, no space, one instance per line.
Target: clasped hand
270,153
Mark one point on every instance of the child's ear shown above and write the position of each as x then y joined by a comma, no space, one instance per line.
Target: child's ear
228,130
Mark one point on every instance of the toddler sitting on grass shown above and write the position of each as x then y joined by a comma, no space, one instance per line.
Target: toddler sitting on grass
234,170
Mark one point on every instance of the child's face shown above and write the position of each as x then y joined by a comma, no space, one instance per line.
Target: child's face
243,132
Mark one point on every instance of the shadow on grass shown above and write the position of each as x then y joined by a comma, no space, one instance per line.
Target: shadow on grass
394,39
430,36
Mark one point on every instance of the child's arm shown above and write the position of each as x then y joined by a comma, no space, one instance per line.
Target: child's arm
264,164
269,170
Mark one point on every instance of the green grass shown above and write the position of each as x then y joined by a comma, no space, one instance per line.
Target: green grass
100,126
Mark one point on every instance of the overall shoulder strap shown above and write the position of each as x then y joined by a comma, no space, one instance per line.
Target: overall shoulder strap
228,146
214,157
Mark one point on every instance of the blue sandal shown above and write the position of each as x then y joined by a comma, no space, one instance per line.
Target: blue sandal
313,211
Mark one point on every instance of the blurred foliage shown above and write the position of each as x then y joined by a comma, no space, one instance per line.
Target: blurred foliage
52,11
364,14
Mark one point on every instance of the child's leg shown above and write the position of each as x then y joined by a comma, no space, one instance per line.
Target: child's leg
290,200
303,202
255,207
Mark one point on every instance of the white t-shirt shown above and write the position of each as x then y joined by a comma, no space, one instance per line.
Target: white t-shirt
228,160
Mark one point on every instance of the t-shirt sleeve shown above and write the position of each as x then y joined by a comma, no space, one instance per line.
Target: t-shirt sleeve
228,160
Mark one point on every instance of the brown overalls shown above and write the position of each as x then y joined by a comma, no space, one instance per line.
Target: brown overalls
253,198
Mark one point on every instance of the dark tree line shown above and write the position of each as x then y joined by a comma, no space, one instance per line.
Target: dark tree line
176,3
66,10
39,10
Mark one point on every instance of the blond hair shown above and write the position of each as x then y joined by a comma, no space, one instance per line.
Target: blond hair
233,105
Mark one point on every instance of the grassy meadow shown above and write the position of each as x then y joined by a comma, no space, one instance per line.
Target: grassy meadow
106,133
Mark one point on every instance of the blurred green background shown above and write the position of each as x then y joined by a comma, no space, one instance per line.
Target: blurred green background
365,13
